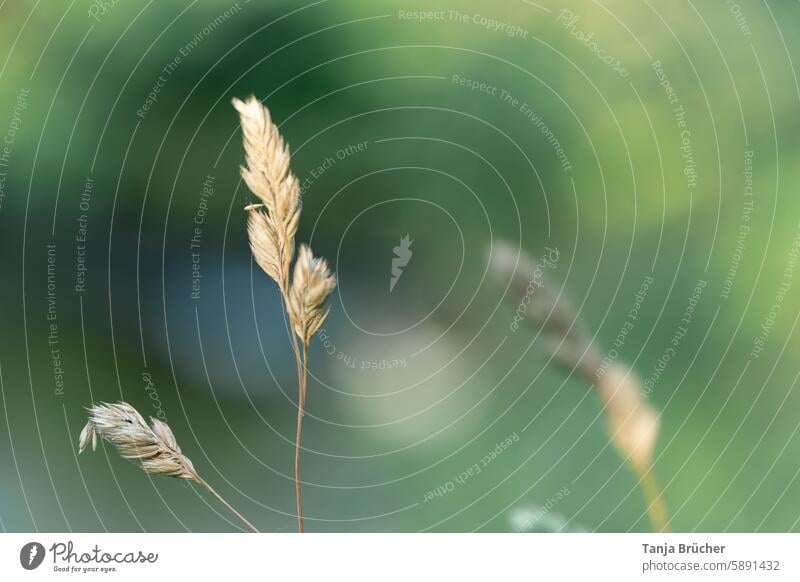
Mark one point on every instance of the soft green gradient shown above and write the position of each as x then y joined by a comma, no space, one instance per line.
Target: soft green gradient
342,72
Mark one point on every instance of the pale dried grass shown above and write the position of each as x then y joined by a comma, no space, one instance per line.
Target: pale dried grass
632,423
153,446
272,227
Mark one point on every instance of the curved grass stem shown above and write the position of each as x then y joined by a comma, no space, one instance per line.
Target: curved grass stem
654,498
221,499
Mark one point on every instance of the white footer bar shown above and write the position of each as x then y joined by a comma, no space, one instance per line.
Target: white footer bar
379,557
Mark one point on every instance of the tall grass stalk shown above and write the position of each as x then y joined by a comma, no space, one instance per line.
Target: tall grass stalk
272,228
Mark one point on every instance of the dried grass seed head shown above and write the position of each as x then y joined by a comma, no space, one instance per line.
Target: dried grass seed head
153,446
272,227
267,173
632,422
544,304
88,435
312,284
265,244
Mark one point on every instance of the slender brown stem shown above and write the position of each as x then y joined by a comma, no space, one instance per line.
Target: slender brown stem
298,493
284,288
298,440
211,490
657,510
300,363
654,498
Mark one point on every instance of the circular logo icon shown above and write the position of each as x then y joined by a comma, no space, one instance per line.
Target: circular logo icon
31,555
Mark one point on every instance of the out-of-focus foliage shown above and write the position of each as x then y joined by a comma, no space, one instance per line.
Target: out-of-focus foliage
124,135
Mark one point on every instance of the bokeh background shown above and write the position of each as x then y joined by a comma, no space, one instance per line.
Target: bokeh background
640,139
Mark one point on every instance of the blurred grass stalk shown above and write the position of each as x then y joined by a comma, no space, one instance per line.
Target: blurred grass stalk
632,423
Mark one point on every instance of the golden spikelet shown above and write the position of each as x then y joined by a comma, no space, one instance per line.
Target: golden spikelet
88,435
265,245
312,283
267,174
273,223
632,422
153,446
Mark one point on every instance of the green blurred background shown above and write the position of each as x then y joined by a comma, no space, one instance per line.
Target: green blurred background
118,128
